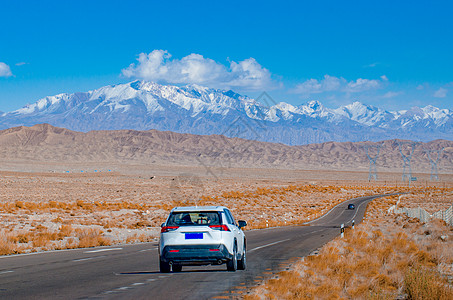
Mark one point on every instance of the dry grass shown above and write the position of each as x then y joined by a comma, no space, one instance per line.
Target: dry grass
423,283
403,258
55,211
41,238
43,211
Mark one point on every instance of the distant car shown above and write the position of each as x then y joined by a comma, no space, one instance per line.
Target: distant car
351,206
201,235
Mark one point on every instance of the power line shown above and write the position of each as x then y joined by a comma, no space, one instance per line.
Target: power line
372,174
407,169
434,170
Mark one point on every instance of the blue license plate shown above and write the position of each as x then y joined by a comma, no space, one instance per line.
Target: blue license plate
194,236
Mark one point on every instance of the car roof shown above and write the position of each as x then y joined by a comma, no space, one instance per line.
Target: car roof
198,208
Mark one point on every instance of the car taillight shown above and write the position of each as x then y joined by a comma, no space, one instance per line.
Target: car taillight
168,228
219,227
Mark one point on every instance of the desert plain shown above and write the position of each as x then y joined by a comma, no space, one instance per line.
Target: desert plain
95,206
61,189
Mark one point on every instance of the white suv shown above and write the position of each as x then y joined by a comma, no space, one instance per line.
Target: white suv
201,235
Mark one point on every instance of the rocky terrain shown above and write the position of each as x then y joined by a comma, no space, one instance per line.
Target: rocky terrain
37,148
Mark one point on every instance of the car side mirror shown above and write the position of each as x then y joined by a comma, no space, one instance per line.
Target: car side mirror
242,224
162,225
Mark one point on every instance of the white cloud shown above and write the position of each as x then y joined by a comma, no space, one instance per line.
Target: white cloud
314,86
361,85
391,94
194,68
21,63
441,93
338,84
372,65
311,86
5,71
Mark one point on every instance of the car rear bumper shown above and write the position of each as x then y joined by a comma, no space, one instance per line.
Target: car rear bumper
196,254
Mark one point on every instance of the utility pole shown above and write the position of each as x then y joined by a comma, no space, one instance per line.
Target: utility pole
407,170
434,170
372,174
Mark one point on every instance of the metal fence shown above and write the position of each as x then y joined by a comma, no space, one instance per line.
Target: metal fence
423,215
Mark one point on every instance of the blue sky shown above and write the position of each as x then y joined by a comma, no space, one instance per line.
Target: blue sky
391,54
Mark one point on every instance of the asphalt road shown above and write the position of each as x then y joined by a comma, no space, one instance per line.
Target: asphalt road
132,271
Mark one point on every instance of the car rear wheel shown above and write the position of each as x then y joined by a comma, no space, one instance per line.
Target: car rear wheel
176,268
164,267
242,263
232,264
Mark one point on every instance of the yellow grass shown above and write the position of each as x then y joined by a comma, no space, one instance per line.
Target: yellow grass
128,209
369,263
425,283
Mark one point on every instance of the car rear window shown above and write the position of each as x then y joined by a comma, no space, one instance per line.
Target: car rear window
194,218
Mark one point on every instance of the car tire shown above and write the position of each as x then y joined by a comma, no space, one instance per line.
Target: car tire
242,263
164,267
176,268
232,264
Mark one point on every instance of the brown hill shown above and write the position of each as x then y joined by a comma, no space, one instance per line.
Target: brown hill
45,143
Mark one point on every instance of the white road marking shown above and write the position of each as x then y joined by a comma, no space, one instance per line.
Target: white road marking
108,292
123,288
88,258
12,256
138,283
6,272
312,232
271,244
144,250
151,279
345,202
103,250
356,211
325,215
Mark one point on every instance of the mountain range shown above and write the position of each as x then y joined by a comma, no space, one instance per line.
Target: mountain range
48,145
142,105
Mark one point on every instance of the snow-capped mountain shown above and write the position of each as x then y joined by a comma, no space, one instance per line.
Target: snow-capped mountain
142,105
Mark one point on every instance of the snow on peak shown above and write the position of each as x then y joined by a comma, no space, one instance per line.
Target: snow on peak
364,114
314,109
315,105
439,116
178,106
41,104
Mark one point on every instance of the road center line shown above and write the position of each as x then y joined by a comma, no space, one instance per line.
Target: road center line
144,250
88,258
103,250
356,211
271,244
6,272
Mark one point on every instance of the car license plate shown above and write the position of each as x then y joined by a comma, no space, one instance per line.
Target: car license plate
194,236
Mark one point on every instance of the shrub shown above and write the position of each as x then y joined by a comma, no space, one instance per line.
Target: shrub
91,237
6,246
422,283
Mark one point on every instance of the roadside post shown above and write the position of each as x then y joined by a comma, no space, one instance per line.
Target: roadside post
353,222
342,230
